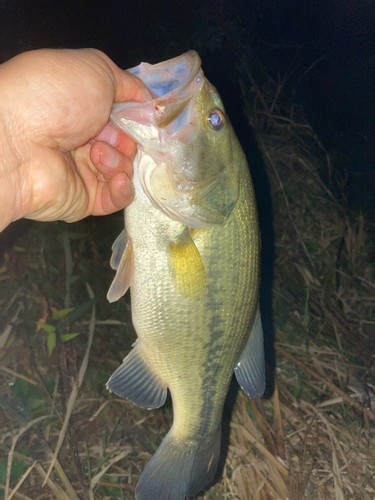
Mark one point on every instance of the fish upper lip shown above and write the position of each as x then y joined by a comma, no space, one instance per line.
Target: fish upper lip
195,64
162,109
193,60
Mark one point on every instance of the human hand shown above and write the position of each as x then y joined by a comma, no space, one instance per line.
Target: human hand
60,159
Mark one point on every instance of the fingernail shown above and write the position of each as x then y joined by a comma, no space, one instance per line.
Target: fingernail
112,158
108,134
127,188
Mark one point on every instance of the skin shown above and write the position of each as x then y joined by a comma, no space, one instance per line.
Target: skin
60,159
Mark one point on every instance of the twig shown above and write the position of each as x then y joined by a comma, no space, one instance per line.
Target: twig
57,490
255,88
68,265
278,425
54,395
335,389
319,181
7,331
126,487
12,300
268,156
335,466
314,63
65,480
18,495
263,425
76,386
104,469
72,495
15,439
255,441
20,482
18,375
280,87
99,410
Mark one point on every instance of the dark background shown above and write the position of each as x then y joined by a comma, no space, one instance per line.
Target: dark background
287,36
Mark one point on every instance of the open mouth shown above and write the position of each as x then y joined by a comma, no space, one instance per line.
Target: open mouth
171,85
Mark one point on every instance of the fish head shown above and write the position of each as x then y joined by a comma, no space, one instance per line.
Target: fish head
182,126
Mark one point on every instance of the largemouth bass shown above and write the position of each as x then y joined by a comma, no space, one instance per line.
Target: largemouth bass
190,254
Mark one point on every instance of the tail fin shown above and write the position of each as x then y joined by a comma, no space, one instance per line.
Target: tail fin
179,468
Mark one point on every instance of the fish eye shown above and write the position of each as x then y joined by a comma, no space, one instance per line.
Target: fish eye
215,119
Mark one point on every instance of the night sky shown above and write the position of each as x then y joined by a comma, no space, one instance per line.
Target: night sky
338,93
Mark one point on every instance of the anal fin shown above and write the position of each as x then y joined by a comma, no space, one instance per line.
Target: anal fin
250,370
134,380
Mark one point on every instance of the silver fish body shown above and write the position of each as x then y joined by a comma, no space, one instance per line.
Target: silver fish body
191,257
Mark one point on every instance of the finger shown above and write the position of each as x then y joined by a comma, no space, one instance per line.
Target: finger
113,195
109,161
126,146
108,189
115,138
120,190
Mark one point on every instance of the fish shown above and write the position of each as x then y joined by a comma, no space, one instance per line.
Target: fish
190,255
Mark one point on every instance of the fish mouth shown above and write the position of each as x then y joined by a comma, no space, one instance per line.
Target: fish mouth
171,85
169,76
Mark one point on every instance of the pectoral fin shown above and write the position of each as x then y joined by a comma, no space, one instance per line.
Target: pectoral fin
134,380
122,260
118,248
188,272
250,370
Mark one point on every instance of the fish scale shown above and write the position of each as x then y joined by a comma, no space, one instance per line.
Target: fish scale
191,258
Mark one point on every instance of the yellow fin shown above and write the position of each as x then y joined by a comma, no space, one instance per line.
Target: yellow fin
189,274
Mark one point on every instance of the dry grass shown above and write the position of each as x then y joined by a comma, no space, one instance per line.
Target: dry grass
314,439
